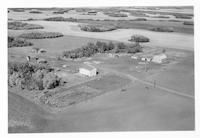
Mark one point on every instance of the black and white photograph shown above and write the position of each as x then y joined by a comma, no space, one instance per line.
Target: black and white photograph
125,68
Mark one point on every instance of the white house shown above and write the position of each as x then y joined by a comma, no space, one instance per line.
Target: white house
134,57
143,59
88,70
159,58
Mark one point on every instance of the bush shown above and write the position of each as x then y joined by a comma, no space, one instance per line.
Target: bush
41,35
162,29
59,12
17,42
116,14
51,81
32,76
172,20
160,16
139,19
134,49
18,9
36,12
139,38
188,23
100,47
122,48
138,14
96,28
23,26
61,19
182,16
89,50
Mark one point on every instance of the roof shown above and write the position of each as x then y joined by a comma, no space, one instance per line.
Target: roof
160,56
88,67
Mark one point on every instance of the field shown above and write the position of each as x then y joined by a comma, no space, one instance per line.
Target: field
159,39
127,92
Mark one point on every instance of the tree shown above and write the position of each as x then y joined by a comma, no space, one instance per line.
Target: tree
139,39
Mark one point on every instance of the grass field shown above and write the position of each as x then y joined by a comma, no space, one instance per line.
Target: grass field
24,116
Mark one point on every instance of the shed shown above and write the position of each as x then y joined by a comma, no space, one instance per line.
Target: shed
134,57
143,59
88,70
159,58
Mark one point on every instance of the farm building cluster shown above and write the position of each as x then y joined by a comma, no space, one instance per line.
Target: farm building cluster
157,58
160,58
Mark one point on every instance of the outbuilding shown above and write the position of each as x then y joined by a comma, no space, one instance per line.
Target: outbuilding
159,58
88,70
134,57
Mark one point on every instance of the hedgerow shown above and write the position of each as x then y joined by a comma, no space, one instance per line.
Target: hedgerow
117,14
41,35
23,26
61,19
17,42
97,28
36,12
188,23
100,47
162,29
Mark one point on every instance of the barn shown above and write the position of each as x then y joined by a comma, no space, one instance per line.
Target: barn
88,70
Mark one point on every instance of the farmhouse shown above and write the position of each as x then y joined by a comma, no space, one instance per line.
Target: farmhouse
159,58
88,70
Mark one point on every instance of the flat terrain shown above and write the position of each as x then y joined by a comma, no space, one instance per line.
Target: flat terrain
24,115
81,15
137,106
123,96
135,109
157,39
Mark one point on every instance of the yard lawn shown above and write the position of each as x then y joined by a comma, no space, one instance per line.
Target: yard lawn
179,76
135,109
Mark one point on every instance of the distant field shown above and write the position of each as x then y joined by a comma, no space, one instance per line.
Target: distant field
80,14
178,26
159,39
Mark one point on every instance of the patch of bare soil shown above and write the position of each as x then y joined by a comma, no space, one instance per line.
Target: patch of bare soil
72,95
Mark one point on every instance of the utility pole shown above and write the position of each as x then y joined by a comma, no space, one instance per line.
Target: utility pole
145,64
